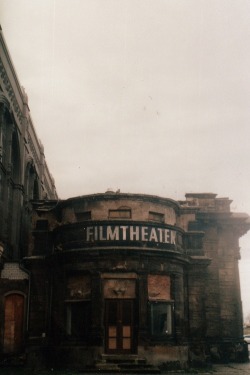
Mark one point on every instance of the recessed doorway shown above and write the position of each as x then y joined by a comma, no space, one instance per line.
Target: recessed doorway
13,323
119,326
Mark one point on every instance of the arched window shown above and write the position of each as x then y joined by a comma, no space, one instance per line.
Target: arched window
13,191
35,190
31,183
10,179
15,159
4,120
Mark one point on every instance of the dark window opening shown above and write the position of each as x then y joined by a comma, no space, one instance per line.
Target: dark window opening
42,224
15,159
36,190
156,216
82,216
161,319
78,319
2,182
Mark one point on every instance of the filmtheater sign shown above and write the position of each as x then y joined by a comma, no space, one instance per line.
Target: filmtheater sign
128,233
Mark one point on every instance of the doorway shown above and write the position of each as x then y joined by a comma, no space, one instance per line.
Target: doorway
120,326
13,323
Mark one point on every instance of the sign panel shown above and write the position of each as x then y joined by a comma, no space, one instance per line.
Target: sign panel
123,234
129,233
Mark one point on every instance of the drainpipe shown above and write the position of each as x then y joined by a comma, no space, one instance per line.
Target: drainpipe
28,298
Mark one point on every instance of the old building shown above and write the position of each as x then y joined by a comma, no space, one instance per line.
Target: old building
96,280
24,176
118,276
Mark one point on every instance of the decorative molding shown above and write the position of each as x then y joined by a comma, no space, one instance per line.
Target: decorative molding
10,92
33,150
119,291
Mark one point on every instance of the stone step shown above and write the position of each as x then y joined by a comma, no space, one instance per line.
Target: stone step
125,358
120,363
119,368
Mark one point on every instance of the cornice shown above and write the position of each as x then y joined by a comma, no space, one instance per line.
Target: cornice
10,92
124,196
33,150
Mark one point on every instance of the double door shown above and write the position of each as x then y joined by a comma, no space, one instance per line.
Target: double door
120,326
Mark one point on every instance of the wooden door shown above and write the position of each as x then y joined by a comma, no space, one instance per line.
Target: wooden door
119,326
13,323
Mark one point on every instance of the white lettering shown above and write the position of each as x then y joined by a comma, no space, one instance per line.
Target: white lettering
101,237
144,233
134,233
160,234
124,232
167,238
113,235
153,235
96,233
130,233
173,236
89,235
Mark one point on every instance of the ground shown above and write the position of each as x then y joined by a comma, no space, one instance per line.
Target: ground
229,369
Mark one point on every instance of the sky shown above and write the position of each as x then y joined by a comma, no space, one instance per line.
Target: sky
143,96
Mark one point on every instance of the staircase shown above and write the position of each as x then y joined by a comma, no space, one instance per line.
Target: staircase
129,364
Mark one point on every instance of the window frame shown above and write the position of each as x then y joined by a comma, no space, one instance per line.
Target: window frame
157,217
169,333
68,320
119,212
83,216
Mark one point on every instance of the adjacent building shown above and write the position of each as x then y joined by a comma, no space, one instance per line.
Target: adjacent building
105,279
24,177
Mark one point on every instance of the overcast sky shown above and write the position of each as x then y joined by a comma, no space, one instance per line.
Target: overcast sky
139,95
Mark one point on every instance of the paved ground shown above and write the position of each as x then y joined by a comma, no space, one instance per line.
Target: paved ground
230,369
233,369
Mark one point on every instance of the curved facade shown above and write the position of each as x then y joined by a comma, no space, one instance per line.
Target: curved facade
121,276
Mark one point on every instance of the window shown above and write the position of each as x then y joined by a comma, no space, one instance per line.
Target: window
42,225
121,213
156,216
2,182
161,318
82,216
78,319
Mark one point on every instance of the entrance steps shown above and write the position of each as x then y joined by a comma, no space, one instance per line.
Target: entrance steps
12,360
119,363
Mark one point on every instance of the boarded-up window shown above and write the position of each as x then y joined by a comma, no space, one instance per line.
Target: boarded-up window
161,307
156,216
122,213
159,287
79,287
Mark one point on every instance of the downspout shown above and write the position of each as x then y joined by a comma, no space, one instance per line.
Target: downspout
28,297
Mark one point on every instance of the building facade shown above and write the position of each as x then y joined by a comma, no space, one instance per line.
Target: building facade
100,279
24,177
134,276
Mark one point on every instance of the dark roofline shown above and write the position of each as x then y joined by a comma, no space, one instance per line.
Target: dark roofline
109,195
